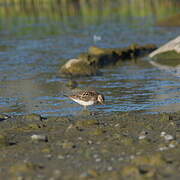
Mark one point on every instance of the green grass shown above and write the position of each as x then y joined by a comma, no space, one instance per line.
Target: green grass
18,12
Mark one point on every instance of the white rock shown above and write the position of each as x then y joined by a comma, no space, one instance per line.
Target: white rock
36,137
168,137
163,134
141,137
171,45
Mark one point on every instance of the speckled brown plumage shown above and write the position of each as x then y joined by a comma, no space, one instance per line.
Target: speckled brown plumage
87,98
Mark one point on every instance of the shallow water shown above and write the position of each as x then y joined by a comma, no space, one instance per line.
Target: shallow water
33,49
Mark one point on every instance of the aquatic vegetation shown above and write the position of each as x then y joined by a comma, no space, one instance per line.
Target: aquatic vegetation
15,12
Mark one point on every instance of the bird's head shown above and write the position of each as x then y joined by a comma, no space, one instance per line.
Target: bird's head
101,99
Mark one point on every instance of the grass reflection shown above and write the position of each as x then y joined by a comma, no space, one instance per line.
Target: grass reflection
89,10
17,16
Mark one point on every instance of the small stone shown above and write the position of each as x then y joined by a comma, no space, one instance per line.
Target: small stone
36,137
60,157
95,155
57,173
163,134
98,160
163,148
173,144
132,157
49,156
121,158
168,137
141,137
80,138
109,168
90,142
20,178
51,178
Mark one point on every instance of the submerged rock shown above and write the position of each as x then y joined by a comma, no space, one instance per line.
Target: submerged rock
89,63
167,57
169,50
78,67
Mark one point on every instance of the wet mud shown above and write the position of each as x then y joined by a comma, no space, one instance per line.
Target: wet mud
91,145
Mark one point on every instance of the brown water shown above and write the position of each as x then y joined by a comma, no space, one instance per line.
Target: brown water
37,38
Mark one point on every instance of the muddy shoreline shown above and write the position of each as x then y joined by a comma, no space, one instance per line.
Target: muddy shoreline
101,146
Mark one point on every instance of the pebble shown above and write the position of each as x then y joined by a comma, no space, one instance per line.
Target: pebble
36,137
90,142
20,178
80,138
121,158
168,137
172,145
163,148
98,160
109,168
60,157
163,134
116,125
49,156
57,173
141,137
95,155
